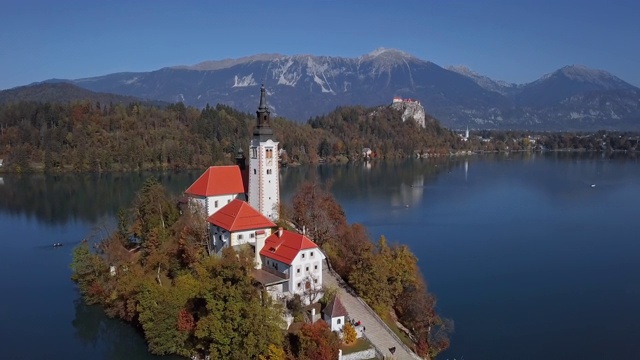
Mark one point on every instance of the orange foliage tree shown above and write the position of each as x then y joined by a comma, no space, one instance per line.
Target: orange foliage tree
350,335
316,342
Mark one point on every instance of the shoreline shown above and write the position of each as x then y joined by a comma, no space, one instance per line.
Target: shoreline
38,168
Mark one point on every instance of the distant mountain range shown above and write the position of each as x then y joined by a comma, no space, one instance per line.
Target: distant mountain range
303,86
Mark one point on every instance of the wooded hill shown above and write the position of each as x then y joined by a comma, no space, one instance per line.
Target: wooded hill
64,92
94,136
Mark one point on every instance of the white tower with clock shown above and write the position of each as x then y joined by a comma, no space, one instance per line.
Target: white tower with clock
264,184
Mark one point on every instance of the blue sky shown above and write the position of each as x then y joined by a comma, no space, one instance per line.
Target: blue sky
512,40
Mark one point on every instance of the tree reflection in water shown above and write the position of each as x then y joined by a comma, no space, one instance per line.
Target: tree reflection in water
111,338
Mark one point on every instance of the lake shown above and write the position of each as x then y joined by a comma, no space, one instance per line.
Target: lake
527,257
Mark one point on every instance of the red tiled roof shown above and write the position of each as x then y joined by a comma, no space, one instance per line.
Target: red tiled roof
335,308
218,180
285,248
238,215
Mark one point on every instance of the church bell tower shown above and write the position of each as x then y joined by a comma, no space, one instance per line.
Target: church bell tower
264,184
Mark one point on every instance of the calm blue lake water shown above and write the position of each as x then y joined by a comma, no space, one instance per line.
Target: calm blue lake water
526,257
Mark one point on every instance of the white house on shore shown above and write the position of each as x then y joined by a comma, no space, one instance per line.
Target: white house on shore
216,187
236,224
297,258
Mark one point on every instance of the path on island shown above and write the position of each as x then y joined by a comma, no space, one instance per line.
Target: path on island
376,332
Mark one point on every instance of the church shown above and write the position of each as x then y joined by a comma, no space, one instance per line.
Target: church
242,206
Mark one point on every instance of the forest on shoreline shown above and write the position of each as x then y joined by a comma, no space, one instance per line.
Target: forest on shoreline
93,137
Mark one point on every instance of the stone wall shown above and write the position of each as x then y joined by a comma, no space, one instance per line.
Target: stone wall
360,355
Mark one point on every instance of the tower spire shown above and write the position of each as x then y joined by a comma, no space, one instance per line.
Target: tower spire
263,99
263,129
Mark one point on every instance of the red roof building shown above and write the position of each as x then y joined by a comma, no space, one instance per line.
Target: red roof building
284,246
238,216
296,258
218,180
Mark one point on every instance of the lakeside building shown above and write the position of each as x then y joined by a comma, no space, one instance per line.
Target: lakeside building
465,136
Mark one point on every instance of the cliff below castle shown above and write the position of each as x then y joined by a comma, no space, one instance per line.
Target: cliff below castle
410,109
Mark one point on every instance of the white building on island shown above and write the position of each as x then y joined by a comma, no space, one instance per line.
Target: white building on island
215,188
236,224
298,259
241,207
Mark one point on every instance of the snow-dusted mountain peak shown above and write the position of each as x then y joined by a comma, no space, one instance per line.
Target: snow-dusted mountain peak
382,50
581,73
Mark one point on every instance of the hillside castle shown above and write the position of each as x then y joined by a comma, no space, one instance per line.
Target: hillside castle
410,108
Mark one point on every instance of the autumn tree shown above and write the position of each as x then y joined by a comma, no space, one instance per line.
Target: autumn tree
315,209
349,334
352,245
369,279
274,352
317,342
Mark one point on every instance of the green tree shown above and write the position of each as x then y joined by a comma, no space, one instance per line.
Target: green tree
89,272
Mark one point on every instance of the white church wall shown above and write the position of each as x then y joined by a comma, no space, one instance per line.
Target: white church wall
264,184
215,203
